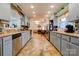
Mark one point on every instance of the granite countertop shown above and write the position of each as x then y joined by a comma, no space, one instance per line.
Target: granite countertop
69,34
11,33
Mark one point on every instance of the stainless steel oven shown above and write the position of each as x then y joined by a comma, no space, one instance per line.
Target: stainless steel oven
16,43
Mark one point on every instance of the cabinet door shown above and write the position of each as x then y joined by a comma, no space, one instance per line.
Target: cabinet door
58,43
5,11
7,46
74,50
28,35
52,37
73,11
0,46
24,38
65,47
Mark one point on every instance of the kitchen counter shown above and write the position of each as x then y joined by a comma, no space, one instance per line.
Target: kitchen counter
11,33
8,42
69,34
66,43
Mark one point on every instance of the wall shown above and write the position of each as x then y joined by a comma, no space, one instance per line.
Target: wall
15,19
26,20
42,22
5,11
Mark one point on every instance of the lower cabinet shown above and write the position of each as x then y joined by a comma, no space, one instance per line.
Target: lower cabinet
25,37
65,47
28,35
7,46
0,46
55,40
74,50
58,42
52,37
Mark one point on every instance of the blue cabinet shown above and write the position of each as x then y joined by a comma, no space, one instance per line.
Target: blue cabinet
65,47
0,46
74,50
7,46
58,42
25,37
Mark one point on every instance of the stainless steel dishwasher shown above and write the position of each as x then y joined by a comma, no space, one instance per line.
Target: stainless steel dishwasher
16,43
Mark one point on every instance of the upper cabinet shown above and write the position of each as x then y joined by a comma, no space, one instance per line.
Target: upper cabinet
5,11
73,11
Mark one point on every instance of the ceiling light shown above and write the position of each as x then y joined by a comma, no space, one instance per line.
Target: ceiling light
51,6
64,19
46,15
37,22
33,12
49,12
32,6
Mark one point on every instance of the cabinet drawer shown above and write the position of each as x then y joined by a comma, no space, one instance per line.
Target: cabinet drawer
65,37
58,35
75,40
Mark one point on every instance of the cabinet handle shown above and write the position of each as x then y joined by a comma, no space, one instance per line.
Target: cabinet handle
67,45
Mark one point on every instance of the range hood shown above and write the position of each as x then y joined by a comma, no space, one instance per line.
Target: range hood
4,21
76,21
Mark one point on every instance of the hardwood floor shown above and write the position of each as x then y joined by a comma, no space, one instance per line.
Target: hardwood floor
39,46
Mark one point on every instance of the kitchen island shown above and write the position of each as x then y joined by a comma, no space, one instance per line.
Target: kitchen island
12,42
66,43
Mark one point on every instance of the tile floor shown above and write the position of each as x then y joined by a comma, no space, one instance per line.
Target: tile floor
39,46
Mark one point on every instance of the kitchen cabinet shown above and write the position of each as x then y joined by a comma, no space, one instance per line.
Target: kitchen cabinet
5,11
75,40
65,37
66,44
25,37
52,37
7,46
74,46
0,46
55,39
74,50
65,47
58,41
73,11
28,35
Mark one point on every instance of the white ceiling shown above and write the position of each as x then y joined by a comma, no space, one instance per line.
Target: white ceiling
41,9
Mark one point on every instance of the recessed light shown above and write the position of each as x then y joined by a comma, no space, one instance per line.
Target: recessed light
51,6
32,6
46,15
37,22
33,12
48,12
